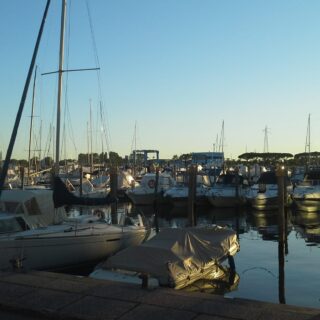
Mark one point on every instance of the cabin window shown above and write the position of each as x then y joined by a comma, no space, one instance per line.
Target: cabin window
11,207
32,207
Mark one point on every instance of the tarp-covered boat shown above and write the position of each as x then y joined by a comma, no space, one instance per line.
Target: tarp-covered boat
175,257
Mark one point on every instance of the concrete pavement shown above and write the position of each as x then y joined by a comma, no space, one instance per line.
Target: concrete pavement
45,295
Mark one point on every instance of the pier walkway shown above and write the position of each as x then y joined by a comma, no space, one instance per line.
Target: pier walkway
45,295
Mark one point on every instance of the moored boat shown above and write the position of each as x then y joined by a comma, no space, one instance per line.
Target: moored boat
174,257
264,194
228,191
306,195
144,194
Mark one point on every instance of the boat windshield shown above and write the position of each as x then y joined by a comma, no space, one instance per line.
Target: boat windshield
12,224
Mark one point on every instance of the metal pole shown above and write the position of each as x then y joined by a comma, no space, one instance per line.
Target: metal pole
23,98
61,54
31,123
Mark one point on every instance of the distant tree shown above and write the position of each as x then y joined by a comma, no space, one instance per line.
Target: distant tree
103,157
115,159
14,162
23,163
186,158
83,159
48,162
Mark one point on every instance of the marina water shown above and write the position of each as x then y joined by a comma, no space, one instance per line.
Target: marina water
257,262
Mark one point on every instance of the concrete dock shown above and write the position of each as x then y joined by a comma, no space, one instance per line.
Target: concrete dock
45,295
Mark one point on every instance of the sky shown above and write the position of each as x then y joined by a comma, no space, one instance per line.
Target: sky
171,71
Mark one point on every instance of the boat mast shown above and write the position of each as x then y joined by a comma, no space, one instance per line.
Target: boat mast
266,143
60,71
22,101
307,148
31,123
91,157
221,138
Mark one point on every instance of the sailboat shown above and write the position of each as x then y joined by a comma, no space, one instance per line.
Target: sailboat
306,194
27,245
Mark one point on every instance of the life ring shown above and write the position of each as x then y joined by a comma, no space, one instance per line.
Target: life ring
151,184
99,213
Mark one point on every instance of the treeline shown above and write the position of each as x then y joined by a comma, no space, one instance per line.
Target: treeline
269,158
113,158
84,159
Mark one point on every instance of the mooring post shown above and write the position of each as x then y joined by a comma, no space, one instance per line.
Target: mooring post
155,202
114,191
22,176
237,184
81,180
192,195
281,242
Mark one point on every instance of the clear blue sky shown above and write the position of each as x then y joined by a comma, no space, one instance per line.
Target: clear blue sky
177,68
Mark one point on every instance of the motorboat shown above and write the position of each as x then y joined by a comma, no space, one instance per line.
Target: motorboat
306,195
228,191
264,194
178,194
145,193
175,257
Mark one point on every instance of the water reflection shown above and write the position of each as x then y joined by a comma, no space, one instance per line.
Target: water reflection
307,225
269,271
267,224
227,283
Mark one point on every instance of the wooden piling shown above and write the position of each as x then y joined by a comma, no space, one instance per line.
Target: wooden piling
22,176
156,202
281,240
114,191
192,195
237,186
81,180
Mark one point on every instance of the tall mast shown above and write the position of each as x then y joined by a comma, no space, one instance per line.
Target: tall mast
308,144
221,138
266,143
91,138
40,141
60,71
31,123
22,101
88,144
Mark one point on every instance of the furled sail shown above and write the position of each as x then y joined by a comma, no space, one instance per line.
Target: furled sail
62,196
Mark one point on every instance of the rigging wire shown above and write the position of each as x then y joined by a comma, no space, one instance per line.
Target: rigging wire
105,123
67,115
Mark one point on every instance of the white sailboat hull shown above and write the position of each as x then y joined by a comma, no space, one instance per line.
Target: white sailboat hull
66,247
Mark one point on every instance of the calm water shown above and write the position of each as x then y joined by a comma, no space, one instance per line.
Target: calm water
257,262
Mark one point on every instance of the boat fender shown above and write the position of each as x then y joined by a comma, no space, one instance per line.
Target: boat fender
151,184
